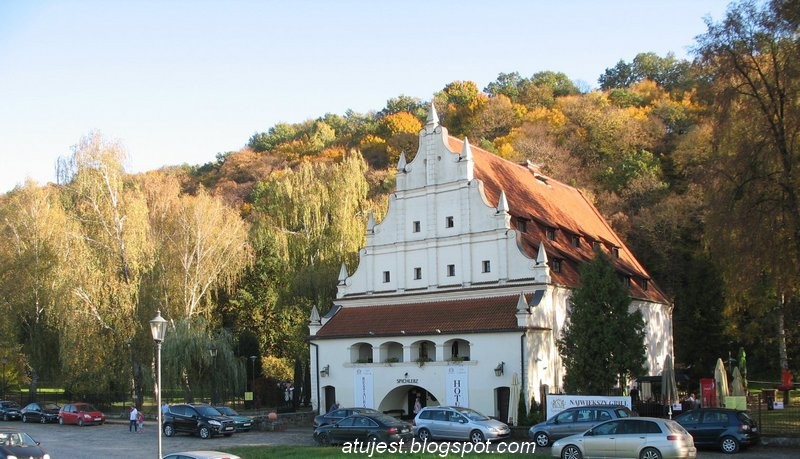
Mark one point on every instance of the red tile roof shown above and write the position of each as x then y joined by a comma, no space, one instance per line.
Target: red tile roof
546,202
477,315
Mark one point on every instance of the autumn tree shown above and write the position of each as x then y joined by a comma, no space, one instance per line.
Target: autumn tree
36,254
603,341
753,188
111,252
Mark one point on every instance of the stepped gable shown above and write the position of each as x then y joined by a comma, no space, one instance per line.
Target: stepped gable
476,315
546,202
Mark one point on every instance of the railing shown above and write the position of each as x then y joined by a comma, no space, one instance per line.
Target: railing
783,422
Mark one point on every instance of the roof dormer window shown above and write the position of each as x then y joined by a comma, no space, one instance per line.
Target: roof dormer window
615,252
555,265
575,240
644,284
522,225
551,233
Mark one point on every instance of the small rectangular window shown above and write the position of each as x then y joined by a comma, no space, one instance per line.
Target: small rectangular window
487,266
386,276
522,225
556,265
644,284
596,245
615,252
417,273
448,222
451,270
576,240
416,227
551,234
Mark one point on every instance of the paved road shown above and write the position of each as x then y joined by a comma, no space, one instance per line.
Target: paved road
113,441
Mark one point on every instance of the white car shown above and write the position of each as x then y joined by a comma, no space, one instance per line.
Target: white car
635,437
201,455
458,423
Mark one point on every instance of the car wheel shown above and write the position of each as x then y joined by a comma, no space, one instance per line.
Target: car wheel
424,434
323,439
372,439
43,420
571,452
61,421
541,439
24,418
205,433
80,422
476,436
650,453
729,445
5,416
169,430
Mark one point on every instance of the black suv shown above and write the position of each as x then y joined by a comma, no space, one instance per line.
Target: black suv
9,410
724,428
197,418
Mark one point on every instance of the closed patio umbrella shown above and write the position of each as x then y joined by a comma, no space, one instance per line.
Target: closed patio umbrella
737,387
669,388
513,403
721,378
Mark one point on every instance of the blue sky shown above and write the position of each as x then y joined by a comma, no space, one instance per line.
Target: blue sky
180,81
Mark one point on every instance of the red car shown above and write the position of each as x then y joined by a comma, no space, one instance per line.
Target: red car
81,414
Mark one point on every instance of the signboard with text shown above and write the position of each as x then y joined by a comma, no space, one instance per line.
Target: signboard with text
457,385
363,388
559,403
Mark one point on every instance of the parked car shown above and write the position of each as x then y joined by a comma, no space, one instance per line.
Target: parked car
197,418
81,414
367,427
201,455
723,428
339,414
457,423
9,410
243,423
634,437
17,444
35,412
574,420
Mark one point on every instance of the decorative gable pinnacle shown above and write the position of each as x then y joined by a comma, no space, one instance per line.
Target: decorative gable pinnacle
541,256
433,117
522,303
343,271
502,203
314,318
370,229
401,163
466,151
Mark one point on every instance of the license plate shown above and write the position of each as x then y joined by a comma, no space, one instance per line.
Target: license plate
96,419
229,428
755,429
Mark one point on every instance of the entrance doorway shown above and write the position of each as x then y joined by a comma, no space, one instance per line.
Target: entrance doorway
330,398
502,395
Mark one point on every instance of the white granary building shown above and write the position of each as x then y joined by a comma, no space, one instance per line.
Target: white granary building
462,290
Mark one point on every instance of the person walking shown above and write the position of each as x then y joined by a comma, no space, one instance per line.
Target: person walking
134,420
140,421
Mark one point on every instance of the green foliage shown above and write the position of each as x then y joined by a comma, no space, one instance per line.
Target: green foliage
669,72
602,342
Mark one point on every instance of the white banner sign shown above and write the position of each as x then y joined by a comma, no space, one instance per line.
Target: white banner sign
457,386
362,388
559,403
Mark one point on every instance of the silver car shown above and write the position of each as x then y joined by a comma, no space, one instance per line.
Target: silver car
638,438
457,423
575,420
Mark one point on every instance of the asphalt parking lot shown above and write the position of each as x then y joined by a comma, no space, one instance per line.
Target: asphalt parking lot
114,441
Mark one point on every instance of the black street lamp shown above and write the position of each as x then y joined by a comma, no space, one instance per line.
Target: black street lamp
253,383
213,351
158,327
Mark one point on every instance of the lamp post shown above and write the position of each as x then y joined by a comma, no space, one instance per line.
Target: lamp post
253,383
158,327
213,351
5,361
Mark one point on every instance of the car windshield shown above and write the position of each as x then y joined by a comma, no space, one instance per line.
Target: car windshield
208,410
227,411
16,439
86,408
472,414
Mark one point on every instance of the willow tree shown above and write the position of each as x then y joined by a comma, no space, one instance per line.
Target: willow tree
35,254
751,57
110,253
308,221
202,248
